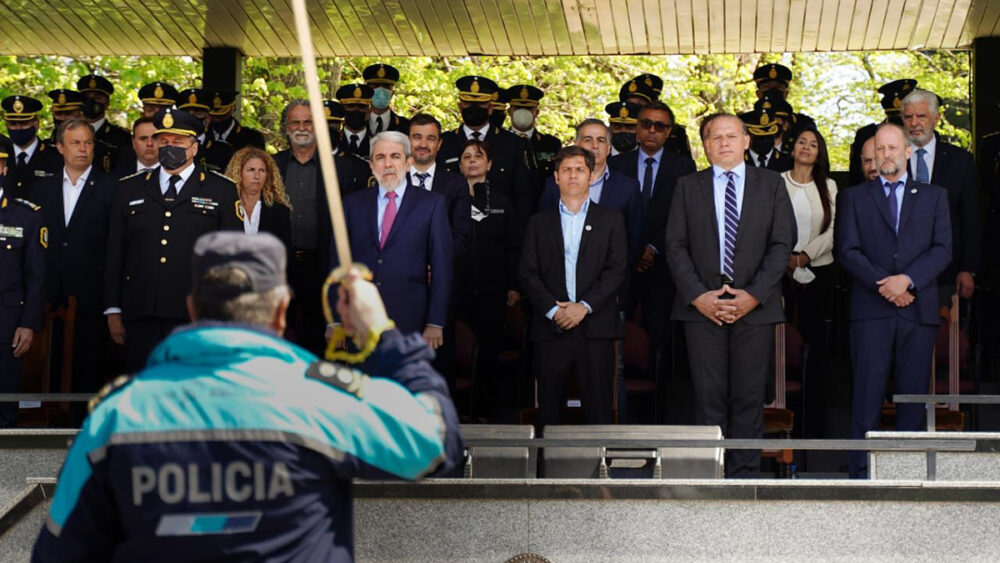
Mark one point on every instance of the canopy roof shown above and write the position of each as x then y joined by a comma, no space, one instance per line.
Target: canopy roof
492,27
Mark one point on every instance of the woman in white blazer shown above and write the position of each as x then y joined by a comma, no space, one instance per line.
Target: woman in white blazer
808,287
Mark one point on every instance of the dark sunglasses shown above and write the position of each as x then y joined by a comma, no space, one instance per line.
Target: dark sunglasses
654,125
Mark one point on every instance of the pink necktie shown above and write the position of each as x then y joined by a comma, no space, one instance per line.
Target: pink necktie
388,218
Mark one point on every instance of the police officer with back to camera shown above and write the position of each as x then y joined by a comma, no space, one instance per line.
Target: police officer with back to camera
236,444
31,157
156,216
109,139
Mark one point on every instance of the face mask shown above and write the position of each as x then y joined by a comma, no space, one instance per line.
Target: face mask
523,119
92,109
623,141
171,157
381,97
221,126
762,145
23,137
474,116
497,118
355,119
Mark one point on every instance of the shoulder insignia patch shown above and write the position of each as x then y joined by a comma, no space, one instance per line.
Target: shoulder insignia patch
240,214
106,161
109,389
132,175
372,182
220,175
338,375
28,204
43,237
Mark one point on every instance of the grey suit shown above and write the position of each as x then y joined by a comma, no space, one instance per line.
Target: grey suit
729,364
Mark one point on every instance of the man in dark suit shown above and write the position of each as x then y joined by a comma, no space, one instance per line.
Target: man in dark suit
894,238
144,154
226,128
572,266
729,239
511,173
156,217
32,159
657,171
942,164
308,259
76,207
401,233
383,78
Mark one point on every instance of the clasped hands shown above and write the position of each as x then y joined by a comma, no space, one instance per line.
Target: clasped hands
896,290
569,314
721,310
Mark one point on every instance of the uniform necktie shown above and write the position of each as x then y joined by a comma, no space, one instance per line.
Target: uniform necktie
22,161
894,203
476,135
378,126
762,160
647,180
923,174
732,224
354,142
172,189
422,177
388,218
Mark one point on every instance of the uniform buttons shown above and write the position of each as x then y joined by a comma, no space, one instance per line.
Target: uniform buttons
163,259
163,242
167,214
9,247
166,227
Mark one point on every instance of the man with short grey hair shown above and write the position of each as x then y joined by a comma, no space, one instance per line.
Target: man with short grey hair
953,168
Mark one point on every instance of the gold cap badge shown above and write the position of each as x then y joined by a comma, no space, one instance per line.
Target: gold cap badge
18,106
525,94
357,92
623,112
632,87
168,120
62,98
158,92
92,83
475,86
381,72
774,72
192,98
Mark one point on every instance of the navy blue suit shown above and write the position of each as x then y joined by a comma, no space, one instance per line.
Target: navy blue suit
420,237
885,337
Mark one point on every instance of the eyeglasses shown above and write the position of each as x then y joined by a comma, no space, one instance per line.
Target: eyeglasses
654,125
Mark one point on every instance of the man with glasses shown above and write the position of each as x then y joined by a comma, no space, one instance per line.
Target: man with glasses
156,217
657,171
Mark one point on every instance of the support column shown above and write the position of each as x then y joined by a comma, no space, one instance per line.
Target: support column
985,89
222,69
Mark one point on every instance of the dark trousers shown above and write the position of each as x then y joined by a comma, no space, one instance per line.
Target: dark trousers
880,348
10,382
142,335
493,388
808,309
90,359
594,363
729,369
655,292
306,324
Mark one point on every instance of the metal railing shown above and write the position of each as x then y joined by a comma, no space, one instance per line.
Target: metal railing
930,400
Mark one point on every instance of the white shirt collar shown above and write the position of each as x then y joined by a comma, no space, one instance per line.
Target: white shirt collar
165,178
482,131
79,181
139,166
740,170
526,134
30,150
430,171
225,134
99,123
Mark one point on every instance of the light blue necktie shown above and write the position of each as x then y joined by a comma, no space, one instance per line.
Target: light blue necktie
923,175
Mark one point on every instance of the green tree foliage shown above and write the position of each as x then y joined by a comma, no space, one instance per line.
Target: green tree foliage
836,89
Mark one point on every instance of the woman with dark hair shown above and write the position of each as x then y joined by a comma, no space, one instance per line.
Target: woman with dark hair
808,285
264,205
487,273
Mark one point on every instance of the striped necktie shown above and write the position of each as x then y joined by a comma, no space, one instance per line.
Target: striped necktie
732,224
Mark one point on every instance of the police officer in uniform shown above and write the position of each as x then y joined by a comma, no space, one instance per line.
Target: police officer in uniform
109,139
892,103
511,173
357,101
234,443
212,154
156,96
22,284
763,127
543,147
623,118
355,167
775,76
66,104
382,78
156,217
498,109
226,128
31,157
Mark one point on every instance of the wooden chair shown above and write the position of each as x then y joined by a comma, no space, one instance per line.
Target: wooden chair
36,372
778,418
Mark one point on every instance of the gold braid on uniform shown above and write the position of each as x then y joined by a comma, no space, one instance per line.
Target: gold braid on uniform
366,347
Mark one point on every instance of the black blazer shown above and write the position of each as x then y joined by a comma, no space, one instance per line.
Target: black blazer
455,191
763,243
277,220
600,270
955,171
76,254
511,172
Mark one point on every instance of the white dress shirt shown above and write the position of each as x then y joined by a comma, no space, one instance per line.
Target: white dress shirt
930,147
251,224
429,182
30,150
165,178
71,192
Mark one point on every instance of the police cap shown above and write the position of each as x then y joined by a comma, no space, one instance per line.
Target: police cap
94,83
652,81
524,95
355,94
334,111
65,100
158,94
6,147
474,88
222,101
20,108
761,122
177,121
772,71
380,74
774,101
893,94
623,113
260,256
194,98
636,87
500,99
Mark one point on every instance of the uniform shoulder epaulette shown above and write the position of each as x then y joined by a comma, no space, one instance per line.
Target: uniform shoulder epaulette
335,374
223,176
110,389
993,134
28,204
133,175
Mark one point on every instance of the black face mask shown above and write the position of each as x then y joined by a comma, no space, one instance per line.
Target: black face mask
475,116
221,126
92,109
23,137
171,157
623,141
761,145
497,118
355,119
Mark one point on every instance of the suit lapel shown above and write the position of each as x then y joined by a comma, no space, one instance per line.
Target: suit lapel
588,227
556,235
370,217
85,196
748,210
940,164
706,193
152,185
189,187
910,192
410,198
877,193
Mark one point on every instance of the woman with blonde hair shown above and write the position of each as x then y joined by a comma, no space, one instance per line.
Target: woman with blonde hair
263,201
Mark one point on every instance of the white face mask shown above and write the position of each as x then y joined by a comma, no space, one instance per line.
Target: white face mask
523,118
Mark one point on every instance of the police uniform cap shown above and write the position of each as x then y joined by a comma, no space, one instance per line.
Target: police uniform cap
638,88
772,71
222,101
194,98
761,122
500,99
893,94
355,94
772,99
158,94
94,83
524,95
652,81
475,88
380,73
20,108
623,113
177,121
6,147
65,100
260,256
334,110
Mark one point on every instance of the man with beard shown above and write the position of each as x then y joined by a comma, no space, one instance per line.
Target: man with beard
511,173
111,142
893,236
357,101
224,127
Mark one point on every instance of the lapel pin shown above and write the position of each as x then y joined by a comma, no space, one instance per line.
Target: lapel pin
913,191
588,227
